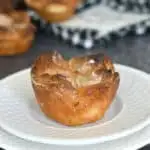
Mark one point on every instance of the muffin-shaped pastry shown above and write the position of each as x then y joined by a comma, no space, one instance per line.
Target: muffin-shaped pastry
53,10
76,91
16,33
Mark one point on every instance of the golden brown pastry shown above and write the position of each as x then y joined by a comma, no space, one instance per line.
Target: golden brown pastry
16,33
53,10
76,91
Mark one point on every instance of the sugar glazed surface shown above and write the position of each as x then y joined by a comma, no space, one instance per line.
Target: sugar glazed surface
76,91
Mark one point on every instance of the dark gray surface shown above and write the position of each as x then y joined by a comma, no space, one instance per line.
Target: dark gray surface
133,51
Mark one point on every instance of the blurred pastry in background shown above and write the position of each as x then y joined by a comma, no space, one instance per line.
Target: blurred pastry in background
53,10
5,6
16,33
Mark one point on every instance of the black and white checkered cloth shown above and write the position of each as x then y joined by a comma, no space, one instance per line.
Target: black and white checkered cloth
87,38
137,6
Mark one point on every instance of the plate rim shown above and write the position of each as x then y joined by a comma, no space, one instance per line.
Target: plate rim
84,141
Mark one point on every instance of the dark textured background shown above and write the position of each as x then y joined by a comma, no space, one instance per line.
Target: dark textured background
133,51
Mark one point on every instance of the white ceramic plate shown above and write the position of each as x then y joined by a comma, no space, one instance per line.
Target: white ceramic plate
21,116
131,142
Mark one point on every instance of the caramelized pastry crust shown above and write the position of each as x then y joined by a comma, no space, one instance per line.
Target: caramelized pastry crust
16,33
53,10
76,91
